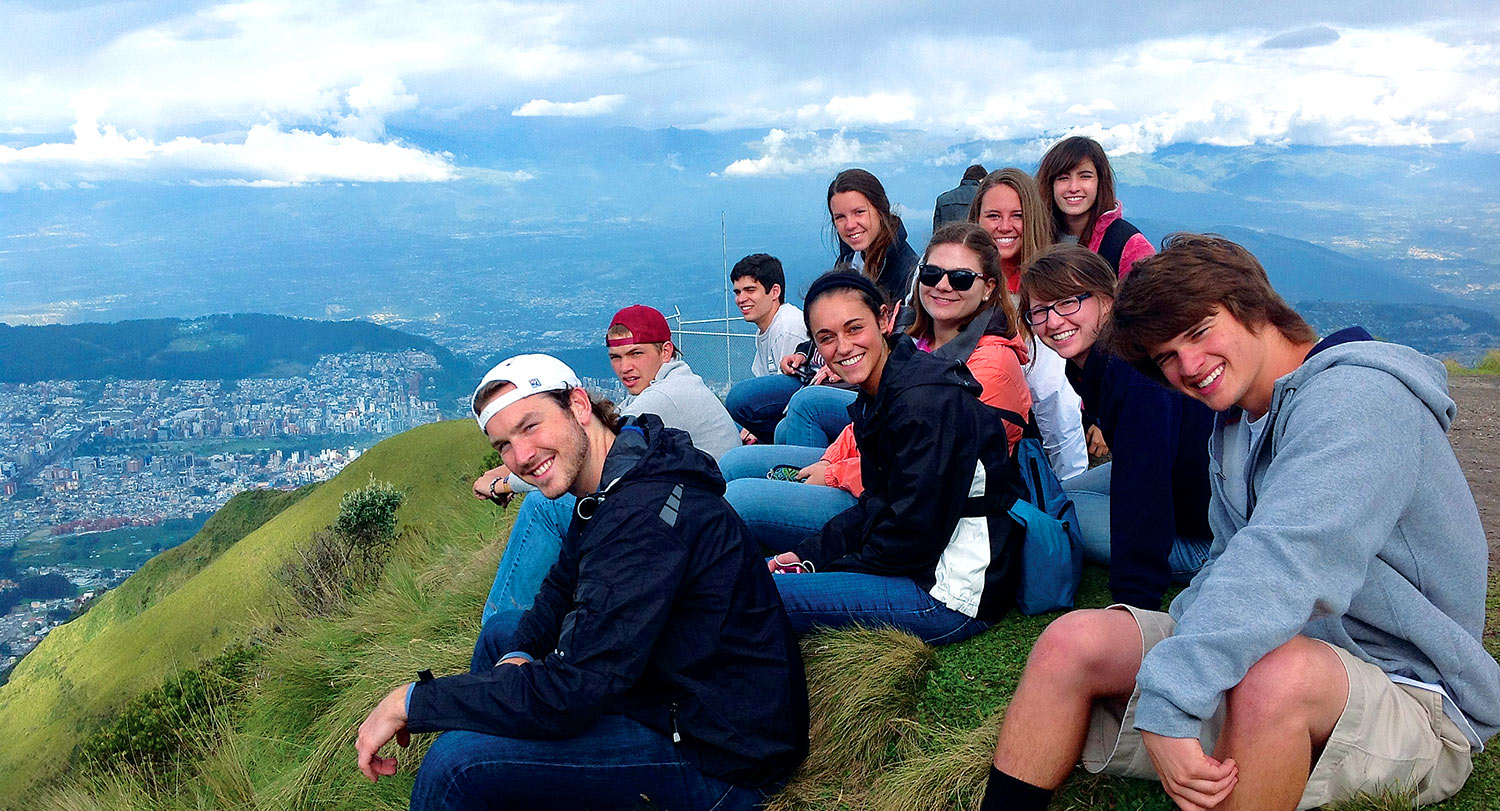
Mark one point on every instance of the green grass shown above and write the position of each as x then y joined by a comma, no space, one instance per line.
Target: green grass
896,724
86,670
1487,365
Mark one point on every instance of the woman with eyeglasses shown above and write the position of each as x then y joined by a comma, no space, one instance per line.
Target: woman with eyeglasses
1010,209
1144,513
927,546
962,314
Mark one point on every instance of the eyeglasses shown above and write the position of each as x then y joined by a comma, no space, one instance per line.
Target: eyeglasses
960,280
1037,316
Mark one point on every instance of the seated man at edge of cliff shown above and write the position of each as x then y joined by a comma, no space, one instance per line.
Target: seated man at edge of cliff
1331,645
625,682
648,364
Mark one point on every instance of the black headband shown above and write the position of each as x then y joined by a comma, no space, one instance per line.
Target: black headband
845,279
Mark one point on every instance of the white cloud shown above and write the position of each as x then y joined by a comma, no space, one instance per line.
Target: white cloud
800,151
596,105
370,102
268,156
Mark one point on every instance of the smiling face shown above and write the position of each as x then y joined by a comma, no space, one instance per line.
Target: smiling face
757,304
848,335
1000,217
637,364
1074,192
1072,336
951,308
854,219
1220,362
542,441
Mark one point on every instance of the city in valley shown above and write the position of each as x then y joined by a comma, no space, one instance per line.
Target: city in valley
83,462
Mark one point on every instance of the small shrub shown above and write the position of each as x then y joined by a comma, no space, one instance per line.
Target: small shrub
150,734
348,557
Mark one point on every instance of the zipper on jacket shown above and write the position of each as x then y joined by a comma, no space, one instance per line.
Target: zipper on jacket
676,736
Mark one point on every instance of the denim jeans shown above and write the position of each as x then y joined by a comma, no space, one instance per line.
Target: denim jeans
535,542
1090,493
757,403
814,416
780,514
840,599
613,764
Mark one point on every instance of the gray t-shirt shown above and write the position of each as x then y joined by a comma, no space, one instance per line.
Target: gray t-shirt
781,337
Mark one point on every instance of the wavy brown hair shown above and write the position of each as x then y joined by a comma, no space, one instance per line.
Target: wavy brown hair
1062,158
1036,215
975,239
867,184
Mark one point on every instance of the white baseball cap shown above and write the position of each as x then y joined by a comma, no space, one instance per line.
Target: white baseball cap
530,374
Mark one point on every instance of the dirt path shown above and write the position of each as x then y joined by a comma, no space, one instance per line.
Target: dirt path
1476,440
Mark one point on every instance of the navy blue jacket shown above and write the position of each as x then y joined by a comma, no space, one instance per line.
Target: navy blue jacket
1158,484
659,608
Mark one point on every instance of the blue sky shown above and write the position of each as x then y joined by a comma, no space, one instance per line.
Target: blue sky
277,92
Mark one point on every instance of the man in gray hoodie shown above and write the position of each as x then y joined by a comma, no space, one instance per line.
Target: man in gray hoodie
1332,643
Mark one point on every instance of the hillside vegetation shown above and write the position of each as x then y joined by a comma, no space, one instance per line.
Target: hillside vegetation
896,724
140,633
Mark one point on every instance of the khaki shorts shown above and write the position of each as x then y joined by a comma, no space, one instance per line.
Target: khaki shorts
1389,737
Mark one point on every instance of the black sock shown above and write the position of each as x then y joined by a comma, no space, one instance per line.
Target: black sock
1006,793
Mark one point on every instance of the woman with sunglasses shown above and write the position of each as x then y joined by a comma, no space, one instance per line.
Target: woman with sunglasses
917,549
1010,209
1076,176
960,314
1144,513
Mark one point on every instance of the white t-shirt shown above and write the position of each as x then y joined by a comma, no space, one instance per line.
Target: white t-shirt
781,337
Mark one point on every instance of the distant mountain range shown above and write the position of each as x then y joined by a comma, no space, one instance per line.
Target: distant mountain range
215,347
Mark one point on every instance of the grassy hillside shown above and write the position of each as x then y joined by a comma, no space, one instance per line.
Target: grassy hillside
896,724
84,671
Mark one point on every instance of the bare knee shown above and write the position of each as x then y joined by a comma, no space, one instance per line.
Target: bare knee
1301,683
1097,649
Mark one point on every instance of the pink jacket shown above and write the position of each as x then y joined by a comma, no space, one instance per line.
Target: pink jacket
1137,247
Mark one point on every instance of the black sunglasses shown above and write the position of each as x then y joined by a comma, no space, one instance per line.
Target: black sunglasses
929,275
1037,316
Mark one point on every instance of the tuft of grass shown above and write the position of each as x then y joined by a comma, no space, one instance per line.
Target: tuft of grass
1487,365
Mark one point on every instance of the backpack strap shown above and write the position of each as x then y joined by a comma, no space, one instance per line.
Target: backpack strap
1027,424
1112,246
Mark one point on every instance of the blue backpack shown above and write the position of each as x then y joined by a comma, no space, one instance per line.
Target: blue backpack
1052,555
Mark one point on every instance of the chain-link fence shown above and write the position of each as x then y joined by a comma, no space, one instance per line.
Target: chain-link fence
720,350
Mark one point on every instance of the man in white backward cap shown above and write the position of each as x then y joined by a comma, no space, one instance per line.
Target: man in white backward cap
624,681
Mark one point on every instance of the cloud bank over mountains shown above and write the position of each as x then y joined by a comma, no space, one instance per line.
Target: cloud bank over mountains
279,92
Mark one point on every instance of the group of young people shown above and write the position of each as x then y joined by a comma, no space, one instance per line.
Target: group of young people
639,642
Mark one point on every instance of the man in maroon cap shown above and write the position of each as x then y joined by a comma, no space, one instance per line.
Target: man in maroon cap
643,357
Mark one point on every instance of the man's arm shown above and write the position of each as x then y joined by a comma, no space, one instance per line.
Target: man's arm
1325,506
626,588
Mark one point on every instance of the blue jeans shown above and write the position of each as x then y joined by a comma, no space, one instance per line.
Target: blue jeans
780,514
535,542
613,764
814,416
840,599
1090,493
757,403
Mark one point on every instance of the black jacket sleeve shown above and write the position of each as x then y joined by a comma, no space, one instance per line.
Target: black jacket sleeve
902,528
627,583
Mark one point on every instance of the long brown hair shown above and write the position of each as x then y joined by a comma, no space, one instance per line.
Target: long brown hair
867,184
975,239
1062,158
1036,215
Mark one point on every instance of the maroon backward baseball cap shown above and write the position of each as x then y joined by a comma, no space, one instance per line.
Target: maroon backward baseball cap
646,324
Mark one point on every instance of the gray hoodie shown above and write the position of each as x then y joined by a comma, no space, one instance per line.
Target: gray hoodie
1361,531
683,402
